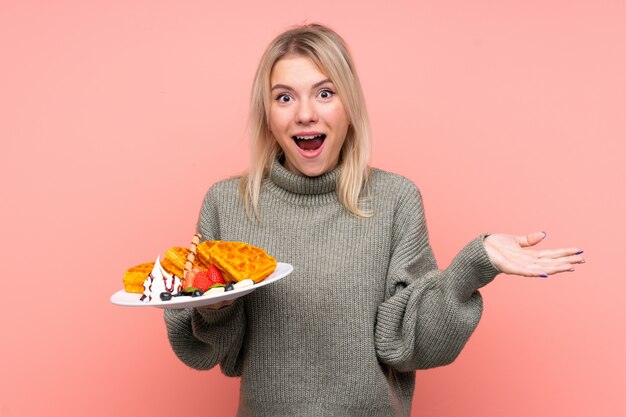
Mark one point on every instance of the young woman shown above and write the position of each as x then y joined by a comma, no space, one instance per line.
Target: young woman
366,304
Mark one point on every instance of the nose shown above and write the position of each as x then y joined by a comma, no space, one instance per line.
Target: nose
306,113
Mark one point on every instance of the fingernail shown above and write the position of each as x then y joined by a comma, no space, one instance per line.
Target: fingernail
545,234
543,276
579,252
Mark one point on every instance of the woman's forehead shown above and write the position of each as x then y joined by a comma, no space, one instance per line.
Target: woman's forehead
296,69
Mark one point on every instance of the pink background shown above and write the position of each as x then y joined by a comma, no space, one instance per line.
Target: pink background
116,116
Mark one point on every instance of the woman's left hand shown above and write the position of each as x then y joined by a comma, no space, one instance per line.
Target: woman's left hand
514,255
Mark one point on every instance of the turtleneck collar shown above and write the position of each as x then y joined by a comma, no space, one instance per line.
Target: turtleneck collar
303,185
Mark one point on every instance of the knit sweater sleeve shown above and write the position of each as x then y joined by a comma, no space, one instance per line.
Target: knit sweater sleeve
203,337
428,314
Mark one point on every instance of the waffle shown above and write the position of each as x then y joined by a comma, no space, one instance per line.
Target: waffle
174,261
135,276
237,260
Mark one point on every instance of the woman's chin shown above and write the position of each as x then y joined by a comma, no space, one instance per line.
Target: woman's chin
308,169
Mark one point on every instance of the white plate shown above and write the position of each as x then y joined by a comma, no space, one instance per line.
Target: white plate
128,299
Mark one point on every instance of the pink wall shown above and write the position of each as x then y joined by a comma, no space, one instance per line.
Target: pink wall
509,115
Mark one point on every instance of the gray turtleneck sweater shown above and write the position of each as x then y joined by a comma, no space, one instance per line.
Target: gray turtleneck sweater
365,306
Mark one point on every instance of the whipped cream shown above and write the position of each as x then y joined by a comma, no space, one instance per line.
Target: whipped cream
159,281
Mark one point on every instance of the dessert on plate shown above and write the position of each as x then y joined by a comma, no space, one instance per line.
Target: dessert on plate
205,268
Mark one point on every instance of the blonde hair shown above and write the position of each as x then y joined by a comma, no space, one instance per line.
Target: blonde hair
329,52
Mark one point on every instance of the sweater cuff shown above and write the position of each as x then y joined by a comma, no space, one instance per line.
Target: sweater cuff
471,268
217,316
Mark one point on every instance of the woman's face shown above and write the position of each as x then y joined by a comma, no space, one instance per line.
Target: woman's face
306,116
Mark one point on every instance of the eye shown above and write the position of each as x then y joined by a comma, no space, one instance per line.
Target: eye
283,98
326,94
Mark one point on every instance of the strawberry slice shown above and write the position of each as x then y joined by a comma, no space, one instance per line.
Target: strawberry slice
201,280
215,276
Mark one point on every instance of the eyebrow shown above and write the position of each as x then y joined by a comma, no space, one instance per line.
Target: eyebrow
286,87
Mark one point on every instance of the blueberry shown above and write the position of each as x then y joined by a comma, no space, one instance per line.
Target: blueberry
229,287
178,294
196,293
165,296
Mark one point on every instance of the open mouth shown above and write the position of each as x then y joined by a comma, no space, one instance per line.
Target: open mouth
309,143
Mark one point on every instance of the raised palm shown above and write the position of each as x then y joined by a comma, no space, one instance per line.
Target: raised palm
515,255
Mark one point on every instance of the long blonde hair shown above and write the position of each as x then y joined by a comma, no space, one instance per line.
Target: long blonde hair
329,52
